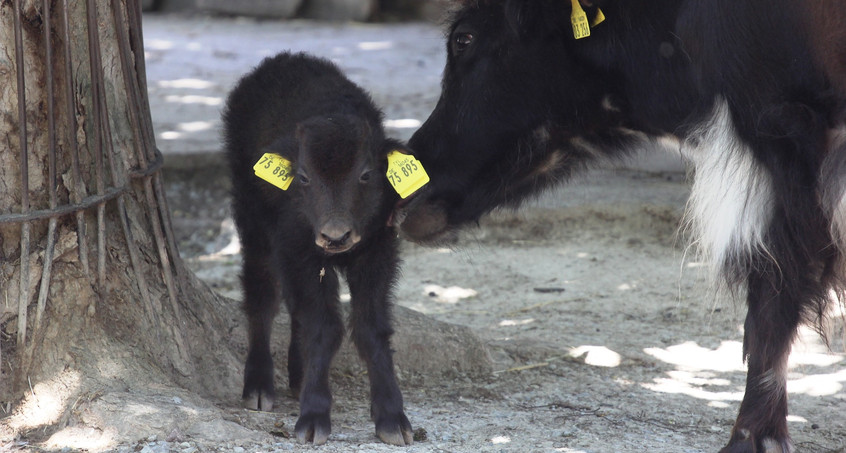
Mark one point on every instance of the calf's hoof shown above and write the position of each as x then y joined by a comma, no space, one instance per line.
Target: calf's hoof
742,441
395,430
259,393
259,401
313,428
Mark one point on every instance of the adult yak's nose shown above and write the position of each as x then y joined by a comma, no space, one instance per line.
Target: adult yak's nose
336,236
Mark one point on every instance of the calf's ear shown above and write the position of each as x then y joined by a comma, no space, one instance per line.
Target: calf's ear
395,145
284,146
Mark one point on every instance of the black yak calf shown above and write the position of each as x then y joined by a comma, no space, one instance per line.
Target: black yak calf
308,157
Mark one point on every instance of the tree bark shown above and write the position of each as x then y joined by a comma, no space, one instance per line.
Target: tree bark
87,258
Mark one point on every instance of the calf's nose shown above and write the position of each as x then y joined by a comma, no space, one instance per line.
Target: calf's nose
336,237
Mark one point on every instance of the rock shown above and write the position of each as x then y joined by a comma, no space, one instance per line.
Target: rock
253,8
424,346
339,10
219,431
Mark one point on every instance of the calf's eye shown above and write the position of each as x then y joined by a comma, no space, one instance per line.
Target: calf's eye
302,179
461,41
365,176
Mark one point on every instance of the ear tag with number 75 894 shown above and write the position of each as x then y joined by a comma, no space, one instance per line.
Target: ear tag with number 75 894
405,173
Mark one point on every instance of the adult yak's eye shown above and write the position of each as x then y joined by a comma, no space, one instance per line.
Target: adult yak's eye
461,41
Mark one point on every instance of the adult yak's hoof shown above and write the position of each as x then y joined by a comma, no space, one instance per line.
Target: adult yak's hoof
313,428
742,441
395,430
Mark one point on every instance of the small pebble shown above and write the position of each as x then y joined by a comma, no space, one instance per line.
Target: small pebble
420,435
815,426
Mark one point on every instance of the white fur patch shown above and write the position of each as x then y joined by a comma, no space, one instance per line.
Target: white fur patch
774,380
774,446
731,201
834,187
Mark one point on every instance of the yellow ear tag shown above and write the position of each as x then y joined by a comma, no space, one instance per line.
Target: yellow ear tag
405,173
598,19
275,169
579,19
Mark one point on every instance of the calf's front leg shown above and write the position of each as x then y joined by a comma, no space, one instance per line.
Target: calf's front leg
370,288
321,331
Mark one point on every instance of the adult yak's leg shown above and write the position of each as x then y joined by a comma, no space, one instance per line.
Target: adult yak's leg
770,329
755,209
787,283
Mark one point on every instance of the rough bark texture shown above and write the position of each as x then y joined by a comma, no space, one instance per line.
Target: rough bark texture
104,324
123,299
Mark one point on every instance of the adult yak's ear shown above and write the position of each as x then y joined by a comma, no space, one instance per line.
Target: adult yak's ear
596,3
536,17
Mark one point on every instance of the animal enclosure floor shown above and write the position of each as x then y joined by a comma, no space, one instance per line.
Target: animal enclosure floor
603,332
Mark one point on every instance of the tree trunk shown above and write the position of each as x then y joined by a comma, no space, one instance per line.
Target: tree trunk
88,264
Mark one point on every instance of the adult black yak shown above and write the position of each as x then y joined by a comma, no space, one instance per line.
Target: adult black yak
755,91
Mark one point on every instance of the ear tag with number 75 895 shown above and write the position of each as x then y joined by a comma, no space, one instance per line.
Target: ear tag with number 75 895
405,173
275,169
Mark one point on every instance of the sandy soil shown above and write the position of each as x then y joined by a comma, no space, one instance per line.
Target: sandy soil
602,332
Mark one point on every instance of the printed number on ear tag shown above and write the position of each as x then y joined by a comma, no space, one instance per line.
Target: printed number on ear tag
405,173
275,169
579,20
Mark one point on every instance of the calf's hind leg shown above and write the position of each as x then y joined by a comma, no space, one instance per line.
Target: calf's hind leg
295,358
370,288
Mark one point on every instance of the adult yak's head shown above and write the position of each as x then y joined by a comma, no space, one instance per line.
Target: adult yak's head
524,104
